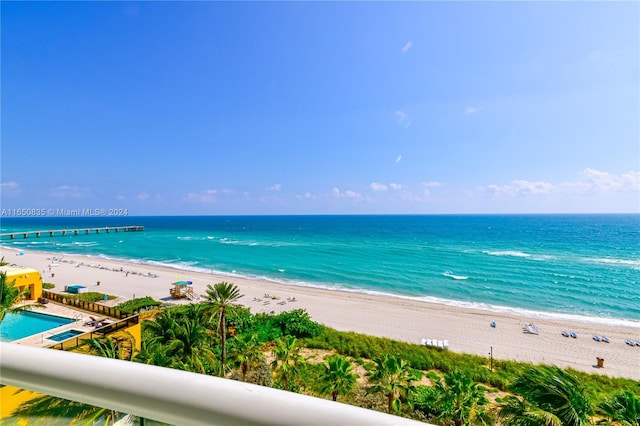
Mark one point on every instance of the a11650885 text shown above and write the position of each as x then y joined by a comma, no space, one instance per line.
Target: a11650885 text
51,212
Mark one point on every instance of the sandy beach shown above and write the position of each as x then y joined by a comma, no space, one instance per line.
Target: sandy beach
467,330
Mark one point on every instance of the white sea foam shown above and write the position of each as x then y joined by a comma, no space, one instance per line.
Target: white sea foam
85,244
455,277
251,243
188,238
612,261
513,253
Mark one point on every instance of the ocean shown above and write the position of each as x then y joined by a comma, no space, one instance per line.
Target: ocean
580,267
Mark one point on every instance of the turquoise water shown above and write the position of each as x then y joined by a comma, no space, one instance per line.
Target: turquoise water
17,325
65,335
554,265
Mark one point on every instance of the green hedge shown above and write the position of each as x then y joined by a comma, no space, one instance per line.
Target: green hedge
135,305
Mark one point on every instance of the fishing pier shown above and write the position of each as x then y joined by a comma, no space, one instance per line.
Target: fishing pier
63,232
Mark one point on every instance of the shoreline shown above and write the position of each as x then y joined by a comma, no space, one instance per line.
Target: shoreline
402,318
485,307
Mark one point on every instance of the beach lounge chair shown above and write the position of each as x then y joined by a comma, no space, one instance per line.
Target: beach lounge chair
573,334
95,321
565,333
423,342
445,343
630,342
605,339
596,338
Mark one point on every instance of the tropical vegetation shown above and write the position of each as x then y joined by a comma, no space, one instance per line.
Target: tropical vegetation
337,377
290,351
222,296
9,295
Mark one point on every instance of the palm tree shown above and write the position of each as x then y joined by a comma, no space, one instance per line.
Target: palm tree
623,407
115,348
222,296
458,399
179,338
46,409
9,295
517,412
287,359
337,377
246,352
393,377
554,391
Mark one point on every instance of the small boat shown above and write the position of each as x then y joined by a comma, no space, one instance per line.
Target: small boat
630,342
565,333
596,338
574,335
605,339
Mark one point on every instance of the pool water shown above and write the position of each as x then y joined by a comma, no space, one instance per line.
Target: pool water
65,335
17,325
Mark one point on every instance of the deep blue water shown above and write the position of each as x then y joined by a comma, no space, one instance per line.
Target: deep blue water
584,265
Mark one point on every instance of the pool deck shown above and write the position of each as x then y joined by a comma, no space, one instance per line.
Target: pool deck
40,339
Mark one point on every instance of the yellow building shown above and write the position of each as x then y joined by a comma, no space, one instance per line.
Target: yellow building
26,279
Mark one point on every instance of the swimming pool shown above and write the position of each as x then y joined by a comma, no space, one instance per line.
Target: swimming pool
17,325
65,335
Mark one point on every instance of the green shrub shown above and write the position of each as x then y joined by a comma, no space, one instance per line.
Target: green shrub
135,305
47,286
240,318
263,326
91,296
297,323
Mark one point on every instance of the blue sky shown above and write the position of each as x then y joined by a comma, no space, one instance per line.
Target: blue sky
169,108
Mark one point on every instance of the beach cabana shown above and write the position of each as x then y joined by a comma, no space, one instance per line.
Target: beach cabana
182,289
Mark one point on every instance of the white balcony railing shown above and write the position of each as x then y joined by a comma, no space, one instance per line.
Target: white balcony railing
171,396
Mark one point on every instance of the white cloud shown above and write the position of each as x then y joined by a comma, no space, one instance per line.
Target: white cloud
208,196
407,46
66,191
470,110
396,186
518,188
431,184
276,187
403,119
143,196
337,193
592,181
352,194
9,186
307,196
378,186
606,182
399,158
